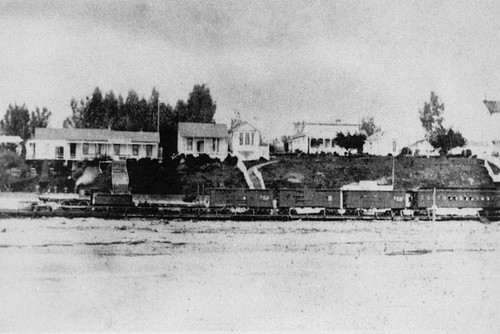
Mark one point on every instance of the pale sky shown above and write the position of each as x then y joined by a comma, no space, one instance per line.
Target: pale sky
274,62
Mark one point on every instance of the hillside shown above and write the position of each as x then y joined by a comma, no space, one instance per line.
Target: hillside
410,172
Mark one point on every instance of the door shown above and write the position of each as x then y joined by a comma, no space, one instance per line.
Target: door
408,200
200,146
72,150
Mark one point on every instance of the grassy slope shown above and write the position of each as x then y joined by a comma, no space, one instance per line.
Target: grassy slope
411,172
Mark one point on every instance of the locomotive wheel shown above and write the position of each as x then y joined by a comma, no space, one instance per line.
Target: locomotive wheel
65,204
84,205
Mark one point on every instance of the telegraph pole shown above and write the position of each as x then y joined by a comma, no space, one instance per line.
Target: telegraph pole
158,113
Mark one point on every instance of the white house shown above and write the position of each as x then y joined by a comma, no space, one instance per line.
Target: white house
16,141
87,144
319,137
245,141
203,138
381,143
424,148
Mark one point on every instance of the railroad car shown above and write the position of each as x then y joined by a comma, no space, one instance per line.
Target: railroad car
314,198
318,200
260,199
377,201
458,198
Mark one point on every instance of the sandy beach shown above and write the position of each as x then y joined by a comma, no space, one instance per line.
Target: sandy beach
90,274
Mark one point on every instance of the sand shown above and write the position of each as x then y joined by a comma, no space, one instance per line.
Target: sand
62,274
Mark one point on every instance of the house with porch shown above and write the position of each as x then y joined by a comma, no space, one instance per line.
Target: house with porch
11,142
87,144
245,141
203,138
319,137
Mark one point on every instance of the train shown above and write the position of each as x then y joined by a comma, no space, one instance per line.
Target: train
356,202
297,201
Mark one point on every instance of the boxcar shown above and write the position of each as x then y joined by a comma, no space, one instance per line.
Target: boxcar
375,199
241,198
309,198
458,198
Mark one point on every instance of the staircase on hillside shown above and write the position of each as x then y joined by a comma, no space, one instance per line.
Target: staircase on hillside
255,179
119,177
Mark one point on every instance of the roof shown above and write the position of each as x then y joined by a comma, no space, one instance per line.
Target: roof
324,129
10,140
210,130
102,135
331,124
241,124
493,106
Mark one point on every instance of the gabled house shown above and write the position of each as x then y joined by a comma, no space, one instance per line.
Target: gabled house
203,138
245,141
319,137
88,144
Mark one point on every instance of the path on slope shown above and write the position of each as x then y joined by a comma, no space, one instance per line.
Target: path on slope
256,176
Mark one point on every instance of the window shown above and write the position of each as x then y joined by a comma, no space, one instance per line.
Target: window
116,148
214,144
85,148
190,144
241,138
247,139
149,151
135,150
59,152
252,137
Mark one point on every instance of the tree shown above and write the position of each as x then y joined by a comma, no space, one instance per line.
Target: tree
438,136
200,106
98,112
351,142
431,116
39,119
445,140
18,121
368,126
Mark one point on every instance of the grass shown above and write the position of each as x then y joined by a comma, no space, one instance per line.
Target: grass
410,172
